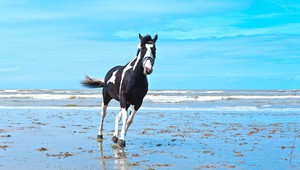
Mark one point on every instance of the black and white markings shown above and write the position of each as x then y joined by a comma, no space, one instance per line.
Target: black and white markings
127,84
113,78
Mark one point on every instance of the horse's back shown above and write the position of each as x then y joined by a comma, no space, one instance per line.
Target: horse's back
111,71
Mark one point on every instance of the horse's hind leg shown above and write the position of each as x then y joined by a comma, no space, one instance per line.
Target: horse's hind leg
103,114
106,100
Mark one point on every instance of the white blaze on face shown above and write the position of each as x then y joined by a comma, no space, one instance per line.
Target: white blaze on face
148,64
149,52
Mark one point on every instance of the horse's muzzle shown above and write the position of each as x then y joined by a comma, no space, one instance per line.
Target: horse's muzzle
148,71
148,68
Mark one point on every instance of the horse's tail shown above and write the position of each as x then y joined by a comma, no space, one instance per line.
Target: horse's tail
92,82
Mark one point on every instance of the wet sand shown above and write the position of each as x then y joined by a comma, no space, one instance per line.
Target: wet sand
65,139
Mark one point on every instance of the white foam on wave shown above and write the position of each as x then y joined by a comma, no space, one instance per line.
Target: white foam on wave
263,97
10,91
168,91
169,99
49,108
178,99
215,98
153,98
209,92
210,109
167,96
50,96
209,98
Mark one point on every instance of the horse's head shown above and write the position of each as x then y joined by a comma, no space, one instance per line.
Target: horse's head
148,52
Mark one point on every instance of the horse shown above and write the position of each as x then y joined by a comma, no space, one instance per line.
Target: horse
127,84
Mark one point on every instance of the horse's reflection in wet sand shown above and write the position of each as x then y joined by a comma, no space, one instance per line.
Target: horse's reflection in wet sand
117,160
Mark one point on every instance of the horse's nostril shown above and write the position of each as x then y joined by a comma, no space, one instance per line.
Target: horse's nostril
148,69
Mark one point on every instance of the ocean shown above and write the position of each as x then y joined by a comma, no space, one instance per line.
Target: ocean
190,100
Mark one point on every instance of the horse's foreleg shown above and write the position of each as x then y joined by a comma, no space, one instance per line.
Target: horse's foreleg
124,106
117,120
121,142
124,119
130,118
103,113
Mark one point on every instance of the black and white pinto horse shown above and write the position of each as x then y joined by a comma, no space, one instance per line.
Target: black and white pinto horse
127,84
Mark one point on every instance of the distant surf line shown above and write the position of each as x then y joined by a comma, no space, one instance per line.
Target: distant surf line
216,109
154,98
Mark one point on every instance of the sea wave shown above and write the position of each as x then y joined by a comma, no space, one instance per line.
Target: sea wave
151,97
169,99
210,109
50,96
168,91
178,99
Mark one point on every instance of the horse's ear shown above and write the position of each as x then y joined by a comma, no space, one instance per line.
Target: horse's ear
141,37
155,38
142,43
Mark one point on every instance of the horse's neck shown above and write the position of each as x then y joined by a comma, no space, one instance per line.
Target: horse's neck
136,66
133,71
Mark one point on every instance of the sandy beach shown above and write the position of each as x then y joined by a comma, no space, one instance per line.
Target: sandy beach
43,138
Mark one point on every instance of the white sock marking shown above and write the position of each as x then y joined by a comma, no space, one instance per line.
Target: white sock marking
117,120
103,113
124,120
130,118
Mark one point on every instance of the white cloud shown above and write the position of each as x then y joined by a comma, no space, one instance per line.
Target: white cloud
11,69
221,23
295,77
193,31
181,20
288,6
122,19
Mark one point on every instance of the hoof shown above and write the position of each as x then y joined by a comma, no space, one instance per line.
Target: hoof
121,143
99,137
115,139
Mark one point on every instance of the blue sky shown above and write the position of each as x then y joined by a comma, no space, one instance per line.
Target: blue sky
203,44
